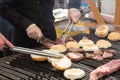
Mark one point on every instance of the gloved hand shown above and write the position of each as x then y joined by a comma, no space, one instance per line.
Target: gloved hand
34,32
4,41
74,15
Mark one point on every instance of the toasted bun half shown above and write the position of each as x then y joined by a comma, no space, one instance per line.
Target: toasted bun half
50,59
38,58
114,36
59,47
102,31
61,64
90,47
85,41
41,58
72,44
74,73
103,44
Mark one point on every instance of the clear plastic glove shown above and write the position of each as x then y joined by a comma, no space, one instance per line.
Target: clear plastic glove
4,41
34,32
74,15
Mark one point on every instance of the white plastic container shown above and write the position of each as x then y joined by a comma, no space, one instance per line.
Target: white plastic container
108,6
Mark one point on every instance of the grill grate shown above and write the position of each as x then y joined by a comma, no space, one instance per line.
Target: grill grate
95,64
42,70
37,70
22,67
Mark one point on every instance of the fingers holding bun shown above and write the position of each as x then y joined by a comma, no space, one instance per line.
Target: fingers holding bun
102,31
74,73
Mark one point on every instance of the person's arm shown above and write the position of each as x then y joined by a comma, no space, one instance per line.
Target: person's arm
4,41
74,10
19,20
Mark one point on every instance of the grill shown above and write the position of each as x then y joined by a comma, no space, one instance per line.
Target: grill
22,67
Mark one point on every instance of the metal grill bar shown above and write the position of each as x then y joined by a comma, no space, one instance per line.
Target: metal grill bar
22,67
3,78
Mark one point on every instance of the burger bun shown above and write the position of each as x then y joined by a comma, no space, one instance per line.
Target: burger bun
61,64
103,44
73,44
74,73
59,48
114,36
102,31
85,41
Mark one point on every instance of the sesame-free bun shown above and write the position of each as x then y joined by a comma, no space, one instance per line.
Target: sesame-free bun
90,47
74,73
114,36
42,58
62,63
73,44
50,59
103,44
102,31
59,47
50,51
38,58
84,41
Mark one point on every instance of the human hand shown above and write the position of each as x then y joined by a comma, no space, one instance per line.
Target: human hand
34,32
74,15
4,41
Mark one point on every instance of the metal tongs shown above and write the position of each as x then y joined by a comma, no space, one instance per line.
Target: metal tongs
23,50
67,30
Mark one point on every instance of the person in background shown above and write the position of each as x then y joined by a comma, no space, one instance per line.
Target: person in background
61,3
3,42
74,10
32,20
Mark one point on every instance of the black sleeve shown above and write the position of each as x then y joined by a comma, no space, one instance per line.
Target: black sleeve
74,4
12,16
